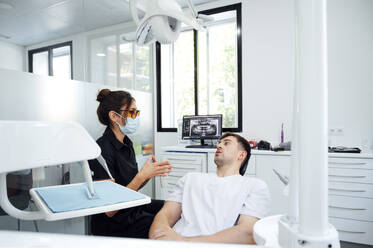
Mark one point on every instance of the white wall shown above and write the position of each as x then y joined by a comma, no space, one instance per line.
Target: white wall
267,69
268,38
11,56
350,34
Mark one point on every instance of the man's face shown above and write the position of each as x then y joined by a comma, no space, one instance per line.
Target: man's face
227,151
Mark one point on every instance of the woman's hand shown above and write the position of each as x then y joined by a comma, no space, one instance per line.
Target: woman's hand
152,168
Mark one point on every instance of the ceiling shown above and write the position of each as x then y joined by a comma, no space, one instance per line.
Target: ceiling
29,22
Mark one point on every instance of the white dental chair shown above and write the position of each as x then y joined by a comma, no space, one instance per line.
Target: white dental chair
18,186
34,145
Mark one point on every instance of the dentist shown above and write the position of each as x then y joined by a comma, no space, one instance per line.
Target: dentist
118,112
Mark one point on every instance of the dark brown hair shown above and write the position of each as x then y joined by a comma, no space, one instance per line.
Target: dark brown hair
244,145
111,100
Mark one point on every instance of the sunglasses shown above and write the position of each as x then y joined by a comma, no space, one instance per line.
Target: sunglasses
131,113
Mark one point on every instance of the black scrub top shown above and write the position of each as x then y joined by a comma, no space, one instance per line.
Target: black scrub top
121,160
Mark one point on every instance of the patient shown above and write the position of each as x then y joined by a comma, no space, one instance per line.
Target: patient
221,207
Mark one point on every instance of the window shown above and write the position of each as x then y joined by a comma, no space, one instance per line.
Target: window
201,72
53,60
120,63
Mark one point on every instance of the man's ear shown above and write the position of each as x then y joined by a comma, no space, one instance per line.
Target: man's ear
242,155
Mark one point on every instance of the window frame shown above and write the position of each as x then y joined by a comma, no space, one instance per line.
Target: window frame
50,58
238,8
119,34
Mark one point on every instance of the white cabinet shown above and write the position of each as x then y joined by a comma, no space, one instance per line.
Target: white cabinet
182,164
353,231
264,171
351,198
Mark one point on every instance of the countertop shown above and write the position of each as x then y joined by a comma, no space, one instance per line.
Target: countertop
181,148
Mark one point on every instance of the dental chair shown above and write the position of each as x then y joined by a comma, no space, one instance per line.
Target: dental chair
18,186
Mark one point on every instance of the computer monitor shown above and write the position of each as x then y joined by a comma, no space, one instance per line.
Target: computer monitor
202,127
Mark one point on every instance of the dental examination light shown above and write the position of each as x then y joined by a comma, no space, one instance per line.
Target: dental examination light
162,21
34,145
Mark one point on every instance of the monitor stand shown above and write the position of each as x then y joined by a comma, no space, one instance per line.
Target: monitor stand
202,145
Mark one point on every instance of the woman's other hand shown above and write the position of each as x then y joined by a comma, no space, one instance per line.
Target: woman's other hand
152,168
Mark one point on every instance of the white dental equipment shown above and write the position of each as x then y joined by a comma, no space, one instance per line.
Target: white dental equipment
306,223
162,21
31,144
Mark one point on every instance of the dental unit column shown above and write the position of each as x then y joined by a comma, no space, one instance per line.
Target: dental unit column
293,205
313,156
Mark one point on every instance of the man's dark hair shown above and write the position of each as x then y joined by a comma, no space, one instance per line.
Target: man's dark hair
245,145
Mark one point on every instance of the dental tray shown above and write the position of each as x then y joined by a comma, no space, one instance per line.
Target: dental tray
70,201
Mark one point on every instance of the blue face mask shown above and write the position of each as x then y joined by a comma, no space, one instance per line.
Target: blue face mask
131,125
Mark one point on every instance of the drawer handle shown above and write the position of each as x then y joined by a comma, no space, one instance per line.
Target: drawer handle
175,176
348,163
347,176
174,184
183,168
350,231
359,209
348,190
182,159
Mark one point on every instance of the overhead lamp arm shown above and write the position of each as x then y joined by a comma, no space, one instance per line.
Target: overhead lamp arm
192,8
133,9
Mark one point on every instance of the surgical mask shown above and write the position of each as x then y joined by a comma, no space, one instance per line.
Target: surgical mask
131,125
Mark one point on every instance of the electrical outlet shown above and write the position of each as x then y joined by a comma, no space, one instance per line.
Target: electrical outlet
336,131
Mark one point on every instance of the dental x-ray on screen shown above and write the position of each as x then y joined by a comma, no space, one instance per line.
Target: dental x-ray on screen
206,126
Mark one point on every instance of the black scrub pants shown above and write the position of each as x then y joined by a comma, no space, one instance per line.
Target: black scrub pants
140,228
136,225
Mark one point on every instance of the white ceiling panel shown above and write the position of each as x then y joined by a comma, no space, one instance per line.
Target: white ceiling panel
69,12
34,21
22,7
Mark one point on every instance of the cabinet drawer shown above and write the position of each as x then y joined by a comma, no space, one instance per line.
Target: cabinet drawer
187,167
353,231
168,184
181,171
350,175
351,189
166,192
351,208
351,163
171,178
183,159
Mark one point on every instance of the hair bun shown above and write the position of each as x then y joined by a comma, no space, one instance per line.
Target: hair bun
102,94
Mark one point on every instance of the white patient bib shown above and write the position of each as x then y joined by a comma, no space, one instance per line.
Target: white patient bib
211,204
